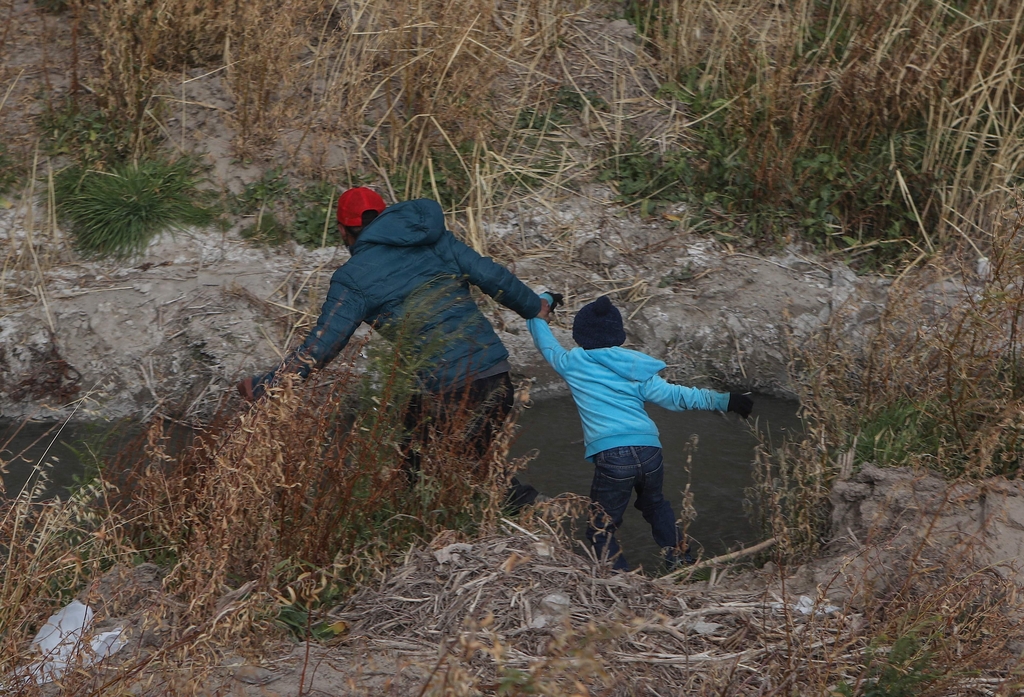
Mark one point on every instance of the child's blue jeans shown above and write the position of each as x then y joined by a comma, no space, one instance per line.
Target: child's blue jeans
617,472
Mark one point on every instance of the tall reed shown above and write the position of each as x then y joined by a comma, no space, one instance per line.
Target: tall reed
49,549
317,479
431,98
886,119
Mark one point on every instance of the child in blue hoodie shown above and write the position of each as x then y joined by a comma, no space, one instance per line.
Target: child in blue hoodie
610,385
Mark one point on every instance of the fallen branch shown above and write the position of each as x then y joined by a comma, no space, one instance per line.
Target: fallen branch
724,558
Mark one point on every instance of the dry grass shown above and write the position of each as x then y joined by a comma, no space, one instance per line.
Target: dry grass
939,382
522,614
34,247
307,481
300,502
271,514
935,383
930,92
261,519
475,102
485,104
49,549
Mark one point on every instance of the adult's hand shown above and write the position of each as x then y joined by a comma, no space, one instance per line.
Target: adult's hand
245,388
545,310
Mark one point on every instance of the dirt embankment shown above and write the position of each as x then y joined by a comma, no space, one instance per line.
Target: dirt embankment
173,330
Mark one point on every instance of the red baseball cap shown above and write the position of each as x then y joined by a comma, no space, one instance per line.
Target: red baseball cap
353,202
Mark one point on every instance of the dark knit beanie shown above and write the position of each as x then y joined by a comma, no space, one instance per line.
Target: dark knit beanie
598,325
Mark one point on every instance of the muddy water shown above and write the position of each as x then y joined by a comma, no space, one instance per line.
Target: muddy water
719,470
57,448
60,451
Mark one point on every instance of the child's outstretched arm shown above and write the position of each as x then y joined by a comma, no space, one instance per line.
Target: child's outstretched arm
546,342
680,398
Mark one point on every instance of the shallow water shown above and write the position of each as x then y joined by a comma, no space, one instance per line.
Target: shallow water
719,471
58,447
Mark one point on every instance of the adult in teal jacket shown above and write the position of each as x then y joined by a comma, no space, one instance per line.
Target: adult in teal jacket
405,261
405,266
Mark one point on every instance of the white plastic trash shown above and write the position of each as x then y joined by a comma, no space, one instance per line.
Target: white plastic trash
65,641
805,606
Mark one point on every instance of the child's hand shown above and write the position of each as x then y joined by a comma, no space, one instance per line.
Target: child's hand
740,403
556,300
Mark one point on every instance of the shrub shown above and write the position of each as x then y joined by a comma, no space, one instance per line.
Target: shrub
939,383
117,213
311,488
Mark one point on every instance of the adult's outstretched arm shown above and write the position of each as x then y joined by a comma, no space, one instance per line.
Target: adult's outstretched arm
340,315
491,277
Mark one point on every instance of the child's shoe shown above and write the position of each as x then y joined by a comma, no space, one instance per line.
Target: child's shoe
675,560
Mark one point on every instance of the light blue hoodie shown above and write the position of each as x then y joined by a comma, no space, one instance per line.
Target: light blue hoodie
610,387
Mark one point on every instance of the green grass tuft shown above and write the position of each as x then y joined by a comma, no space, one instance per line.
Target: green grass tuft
117,213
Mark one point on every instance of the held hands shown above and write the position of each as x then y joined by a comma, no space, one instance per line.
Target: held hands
548,306
741,404
545,309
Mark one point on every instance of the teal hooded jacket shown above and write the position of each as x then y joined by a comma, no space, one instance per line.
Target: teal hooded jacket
610,387
410,277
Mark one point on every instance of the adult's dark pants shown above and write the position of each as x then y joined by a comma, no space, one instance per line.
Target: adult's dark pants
479,409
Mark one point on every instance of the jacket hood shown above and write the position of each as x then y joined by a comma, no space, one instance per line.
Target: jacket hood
631,365
407,224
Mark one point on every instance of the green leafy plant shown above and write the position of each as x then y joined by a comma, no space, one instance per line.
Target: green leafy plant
812,128
269,190
681,275
900,670
117,213
266,229
86,134
899,432
283,210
